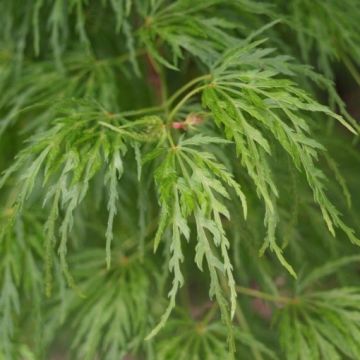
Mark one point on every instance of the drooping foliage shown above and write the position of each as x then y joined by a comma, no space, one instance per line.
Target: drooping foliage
179,180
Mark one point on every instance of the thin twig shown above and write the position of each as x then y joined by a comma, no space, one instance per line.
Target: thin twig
265,296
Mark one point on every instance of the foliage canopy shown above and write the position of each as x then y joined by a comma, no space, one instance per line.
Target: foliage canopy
179,180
